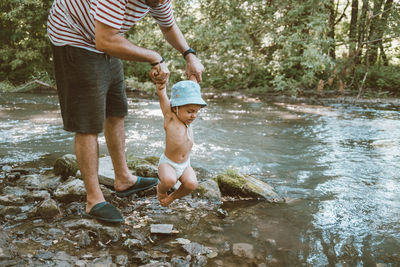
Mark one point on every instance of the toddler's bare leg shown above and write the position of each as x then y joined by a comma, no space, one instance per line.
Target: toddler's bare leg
167,177
189,183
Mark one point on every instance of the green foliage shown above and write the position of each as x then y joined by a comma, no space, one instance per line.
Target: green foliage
257,45
382,78
24,47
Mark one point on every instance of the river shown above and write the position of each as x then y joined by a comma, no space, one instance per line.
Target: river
337,162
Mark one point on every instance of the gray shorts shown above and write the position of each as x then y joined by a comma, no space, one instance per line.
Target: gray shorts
90,87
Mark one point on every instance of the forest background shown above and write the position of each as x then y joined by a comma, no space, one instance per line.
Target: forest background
258,46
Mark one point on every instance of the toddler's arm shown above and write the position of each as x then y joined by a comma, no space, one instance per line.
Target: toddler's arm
163,98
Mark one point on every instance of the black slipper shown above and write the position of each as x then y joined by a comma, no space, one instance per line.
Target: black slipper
105,212
142,183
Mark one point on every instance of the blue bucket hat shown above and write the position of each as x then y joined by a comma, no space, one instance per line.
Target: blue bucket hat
186,92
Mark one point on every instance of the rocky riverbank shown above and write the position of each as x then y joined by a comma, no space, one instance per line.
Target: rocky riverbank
43,222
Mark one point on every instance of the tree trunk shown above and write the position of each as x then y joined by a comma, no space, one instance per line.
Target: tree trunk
353,28
381,30
331,25
362,30
374,32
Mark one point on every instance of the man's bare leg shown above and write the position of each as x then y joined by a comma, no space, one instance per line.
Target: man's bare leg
86,150
114,132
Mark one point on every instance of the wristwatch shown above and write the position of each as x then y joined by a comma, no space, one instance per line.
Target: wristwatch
189,51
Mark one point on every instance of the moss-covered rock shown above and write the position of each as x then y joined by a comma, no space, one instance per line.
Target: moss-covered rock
134,161
235,185
66,166
152,160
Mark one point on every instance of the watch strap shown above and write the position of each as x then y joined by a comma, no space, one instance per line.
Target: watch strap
189,51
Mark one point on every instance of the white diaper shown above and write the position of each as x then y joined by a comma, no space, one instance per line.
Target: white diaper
178,167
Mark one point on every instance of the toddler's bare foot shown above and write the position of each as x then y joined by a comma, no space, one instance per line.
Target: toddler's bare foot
166,201
161,196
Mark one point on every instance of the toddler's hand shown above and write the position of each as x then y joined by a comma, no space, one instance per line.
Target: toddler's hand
159,73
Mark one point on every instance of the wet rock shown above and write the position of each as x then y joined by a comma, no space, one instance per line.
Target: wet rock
199,261
243,250
142,257
40,182
37,195
121,260
11,200
4,255
157,264
182,241
208,189
84,239
71,190
221,213
47,209
105,261
56,233
235,185
133,243
180,262
66,166
194,249
9,210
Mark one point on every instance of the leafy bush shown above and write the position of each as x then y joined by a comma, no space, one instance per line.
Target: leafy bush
24,48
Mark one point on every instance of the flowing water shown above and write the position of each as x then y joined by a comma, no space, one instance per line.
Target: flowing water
339,163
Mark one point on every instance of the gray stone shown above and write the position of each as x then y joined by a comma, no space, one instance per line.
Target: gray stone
11,200
179,262
106,171
161,228
243,250
84,239
48,209
131,243
121,260
208,189
194,249
71,190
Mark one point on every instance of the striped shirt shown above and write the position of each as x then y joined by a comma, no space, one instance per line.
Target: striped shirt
72,22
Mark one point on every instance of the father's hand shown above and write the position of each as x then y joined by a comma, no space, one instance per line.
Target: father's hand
193,67
160,75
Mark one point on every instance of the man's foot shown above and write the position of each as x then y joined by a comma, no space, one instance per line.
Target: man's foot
105,212
141,184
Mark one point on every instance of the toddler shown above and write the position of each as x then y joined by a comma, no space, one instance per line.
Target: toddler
174,164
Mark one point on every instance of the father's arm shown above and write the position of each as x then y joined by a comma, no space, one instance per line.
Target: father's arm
111,42
175,37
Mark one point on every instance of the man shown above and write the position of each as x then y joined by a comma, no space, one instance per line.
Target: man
87,41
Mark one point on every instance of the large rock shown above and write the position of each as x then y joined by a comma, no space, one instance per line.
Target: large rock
66,166
71,190
208,189
106,171
234,185
47,209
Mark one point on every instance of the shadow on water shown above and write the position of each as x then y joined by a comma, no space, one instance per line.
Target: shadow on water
338,163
